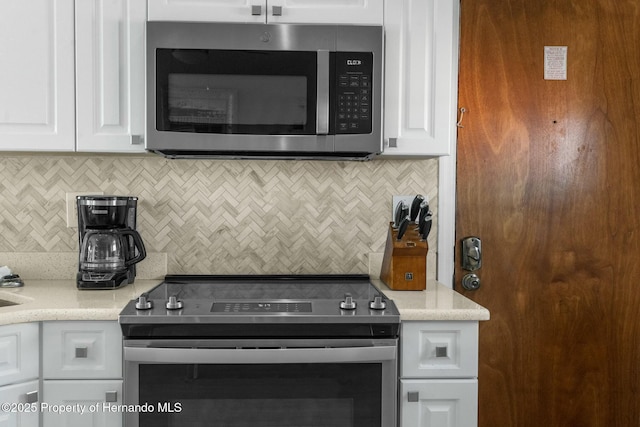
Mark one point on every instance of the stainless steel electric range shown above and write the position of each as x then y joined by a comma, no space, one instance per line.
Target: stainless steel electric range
261,351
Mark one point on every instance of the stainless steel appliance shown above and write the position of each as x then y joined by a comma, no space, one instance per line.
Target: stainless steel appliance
275,91
317,351
109,245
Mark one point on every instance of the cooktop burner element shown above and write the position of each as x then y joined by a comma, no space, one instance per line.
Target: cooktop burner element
274,305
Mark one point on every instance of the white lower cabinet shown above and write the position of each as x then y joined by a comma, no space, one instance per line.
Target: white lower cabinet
82,370
19,370
86,403
439,374
439,403
22,406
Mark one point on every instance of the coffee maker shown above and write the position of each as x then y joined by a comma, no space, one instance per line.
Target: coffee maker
109,244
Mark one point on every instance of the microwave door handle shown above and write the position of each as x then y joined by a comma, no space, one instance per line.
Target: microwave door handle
322,107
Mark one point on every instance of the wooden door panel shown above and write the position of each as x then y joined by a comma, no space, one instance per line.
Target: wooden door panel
547,177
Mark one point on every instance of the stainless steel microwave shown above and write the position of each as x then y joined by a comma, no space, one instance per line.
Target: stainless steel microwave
222,90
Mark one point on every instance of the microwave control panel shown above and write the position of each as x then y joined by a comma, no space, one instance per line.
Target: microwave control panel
354,74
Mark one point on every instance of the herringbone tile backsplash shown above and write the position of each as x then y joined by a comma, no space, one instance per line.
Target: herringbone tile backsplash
220,217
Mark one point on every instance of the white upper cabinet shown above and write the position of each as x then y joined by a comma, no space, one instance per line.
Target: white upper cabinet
110,75
421,77
46,104
36,76
360,12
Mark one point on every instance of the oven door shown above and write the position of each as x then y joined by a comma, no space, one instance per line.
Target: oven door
289,383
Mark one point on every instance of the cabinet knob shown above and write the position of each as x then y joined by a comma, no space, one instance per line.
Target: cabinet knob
137,140
256,10
82,352
441,351
277,10
413,396
111,396
31,397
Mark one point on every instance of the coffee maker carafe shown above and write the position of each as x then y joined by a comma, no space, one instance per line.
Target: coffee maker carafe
109,244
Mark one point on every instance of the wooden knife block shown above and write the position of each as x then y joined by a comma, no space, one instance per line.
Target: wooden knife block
404,267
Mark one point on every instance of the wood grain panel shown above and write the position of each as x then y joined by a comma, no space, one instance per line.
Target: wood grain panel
548,176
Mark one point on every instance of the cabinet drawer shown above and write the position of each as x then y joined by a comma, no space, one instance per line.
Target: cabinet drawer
19,351
439,349
441,403
93,403
26,395
75,350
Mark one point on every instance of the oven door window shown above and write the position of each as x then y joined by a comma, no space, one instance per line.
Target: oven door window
236,92
261,395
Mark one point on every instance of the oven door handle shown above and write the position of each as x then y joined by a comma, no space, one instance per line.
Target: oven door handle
259,355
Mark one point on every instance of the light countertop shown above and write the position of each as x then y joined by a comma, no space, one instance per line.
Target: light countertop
61,300
437,302
41,300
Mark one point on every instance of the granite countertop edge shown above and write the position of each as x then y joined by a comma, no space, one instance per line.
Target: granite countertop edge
51,300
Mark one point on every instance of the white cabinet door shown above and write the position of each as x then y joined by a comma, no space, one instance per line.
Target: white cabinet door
359,12
36,76
25,397
439,349
80,350
207,10
91,403
421,69
19,353
438,403
110,75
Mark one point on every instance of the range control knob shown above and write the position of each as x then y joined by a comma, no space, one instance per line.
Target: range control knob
377,303
143,304
348,303
174,303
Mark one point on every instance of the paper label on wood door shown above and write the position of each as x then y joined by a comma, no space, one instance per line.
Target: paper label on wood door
555,62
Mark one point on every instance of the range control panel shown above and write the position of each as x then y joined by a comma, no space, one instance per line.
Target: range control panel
354,71
261,307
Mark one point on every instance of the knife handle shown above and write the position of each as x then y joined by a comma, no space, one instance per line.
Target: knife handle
426,226
405,211
402,228
424,211
415,207
397,218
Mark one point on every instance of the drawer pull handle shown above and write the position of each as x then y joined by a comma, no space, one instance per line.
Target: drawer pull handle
441,351
82,352
31,397
111,396
413,396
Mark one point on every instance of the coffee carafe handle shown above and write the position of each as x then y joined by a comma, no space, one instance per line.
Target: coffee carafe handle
137,241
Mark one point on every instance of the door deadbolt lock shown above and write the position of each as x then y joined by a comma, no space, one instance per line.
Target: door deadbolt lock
471,253
471,282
